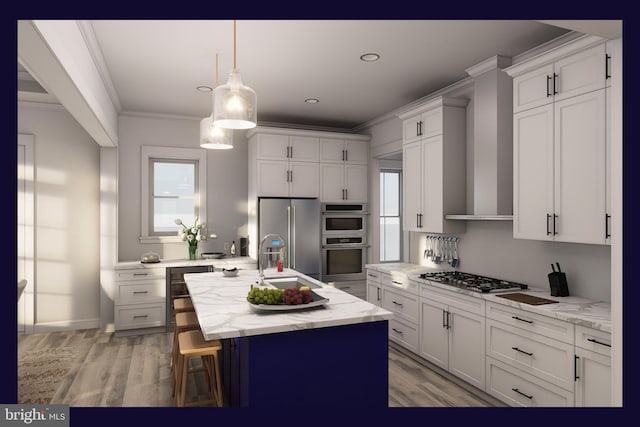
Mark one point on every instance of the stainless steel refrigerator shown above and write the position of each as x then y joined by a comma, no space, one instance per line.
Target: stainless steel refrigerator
298,221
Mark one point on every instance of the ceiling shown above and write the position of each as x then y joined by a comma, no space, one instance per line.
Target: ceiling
155,66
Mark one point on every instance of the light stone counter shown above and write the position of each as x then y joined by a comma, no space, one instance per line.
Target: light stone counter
223,311
227,262
573,309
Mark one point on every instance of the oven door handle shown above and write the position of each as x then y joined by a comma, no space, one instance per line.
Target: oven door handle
346,246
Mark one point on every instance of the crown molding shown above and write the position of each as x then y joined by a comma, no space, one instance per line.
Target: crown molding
544,47
145,114
89,36
304,127
492,63
306,132
41,105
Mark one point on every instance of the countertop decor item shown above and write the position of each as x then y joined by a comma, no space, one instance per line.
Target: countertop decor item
192,235
150,258
213,255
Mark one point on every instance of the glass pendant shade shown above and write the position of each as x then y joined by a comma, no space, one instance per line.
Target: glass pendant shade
213,137
234,104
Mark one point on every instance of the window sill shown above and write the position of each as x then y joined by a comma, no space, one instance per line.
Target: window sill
160,239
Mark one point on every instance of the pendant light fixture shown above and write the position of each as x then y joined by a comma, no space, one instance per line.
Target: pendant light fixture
214,137
235,106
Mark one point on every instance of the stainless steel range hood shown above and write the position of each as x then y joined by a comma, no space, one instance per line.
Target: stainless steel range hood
492,142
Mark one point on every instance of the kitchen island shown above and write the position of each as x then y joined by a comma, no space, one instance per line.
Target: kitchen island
334,355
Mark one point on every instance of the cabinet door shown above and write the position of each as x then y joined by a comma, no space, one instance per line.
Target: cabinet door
304,149
374,293
593,382
411,129
579,140
331,182
331,150
432,185
273,178
272,147
304,179
411,185
434,336
533,173
467,346
356,152
355,183
533,89
580,73
607,160
431,123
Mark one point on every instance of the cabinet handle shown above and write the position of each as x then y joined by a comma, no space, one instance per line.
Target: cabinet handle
141,317
555,90
607,57
418,128
598,342
397,331
548,231
346,155
372,275
555,232
291,176
397,283
397,303
346,194
448,320
378,293
607,217
548,80
291,152
140,292
140,274
522,351
444,322
575,367
343,194
522,320
521,393
345,287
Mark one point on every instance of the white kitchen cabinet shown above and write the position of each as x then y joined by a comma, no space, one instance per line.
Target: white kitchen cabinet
434,165
400,296
287,147
374,287
140,298
592,367
343,182
339,150
560,171
452,333
287,179
571,75
608,189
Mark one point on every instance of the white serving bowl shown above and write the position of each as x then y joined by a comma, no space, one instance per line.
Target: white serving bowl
230,272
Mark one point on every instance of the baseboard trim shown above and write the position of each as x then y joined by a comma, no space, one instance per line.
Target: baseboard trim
66,325
480,394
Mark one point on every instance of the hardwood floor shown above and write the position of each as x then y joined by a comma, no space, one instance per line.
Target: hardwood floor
134,371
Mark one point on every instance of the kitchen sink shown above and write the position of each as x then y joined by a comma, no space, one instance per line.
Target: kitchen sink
290,282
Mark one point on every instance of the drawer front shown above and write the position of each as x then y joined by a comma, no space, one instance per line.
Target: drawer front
404,333
594,340
401,282
540,356
141,293
543,325
517,388
404,305
374,293
357,289
140,274
374,276
139,316
454,299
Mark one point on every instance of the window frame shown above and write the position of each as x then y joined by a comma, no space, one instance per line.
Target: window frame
150,153
400,214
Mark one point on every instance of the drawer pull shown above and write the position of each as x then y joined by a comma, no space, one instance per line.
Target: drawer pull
140,274
372,275
522,320
575,367
522,351
397,283
397,331
344,287
397,303
140,292
598,342
521,393
141,317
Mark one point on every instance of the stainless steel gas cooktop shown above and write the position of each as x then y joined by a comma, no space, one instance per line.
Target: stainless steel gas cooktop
472,282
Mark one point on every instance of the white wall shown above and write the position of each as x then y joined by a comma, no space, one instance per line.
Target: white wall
226,184
67,225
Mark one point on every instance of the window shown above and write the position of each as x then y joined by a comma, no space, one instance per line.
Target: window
390,216
173,186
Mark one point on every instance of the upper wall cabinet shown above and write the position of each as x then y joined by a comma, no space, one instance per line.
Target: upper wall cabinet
339,150
434,165
559,145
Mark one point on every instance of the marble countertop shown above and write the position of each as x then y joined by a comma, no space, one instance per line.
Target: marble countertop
223,311
573,309
222,262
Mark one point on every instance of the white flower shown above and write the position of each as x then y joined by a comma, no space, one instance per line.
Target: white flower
190,237
198,238
178,221
193,230
184,237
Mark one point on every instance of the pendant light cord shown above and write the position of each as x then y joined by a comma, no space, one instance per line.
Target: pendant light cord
216,70
234,45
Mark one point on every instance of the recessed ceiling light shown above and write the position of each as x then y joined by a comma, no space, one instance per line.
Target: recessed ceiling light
370,57
311,100
204,88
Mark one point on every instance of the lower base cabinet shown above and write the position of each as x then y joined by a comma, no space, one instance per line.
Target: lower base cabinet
592,364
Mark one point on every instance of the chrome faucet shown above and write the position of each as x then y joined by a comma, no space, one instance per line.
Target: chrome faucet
277,242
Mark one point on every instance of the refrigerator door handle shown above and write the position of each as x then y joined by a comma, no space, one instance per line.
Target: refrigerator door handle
292,237
288,234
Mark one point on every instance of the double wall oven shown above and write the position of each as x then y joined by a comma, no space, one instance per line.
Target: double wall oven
344,241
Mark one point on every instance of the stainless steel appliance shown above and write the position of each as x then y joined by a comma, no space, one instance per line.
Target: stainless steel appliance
298,221
344,241
472,282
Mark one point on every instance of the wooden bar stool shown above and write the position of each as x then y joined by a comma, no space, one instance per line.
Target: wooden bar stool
192,344
180,305
185,321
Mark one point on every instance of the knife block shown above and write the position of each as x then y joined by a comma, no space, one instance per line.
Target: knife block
558,284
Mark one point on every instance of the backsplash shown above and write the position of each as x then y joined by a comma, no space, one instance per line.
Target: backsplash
488,248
